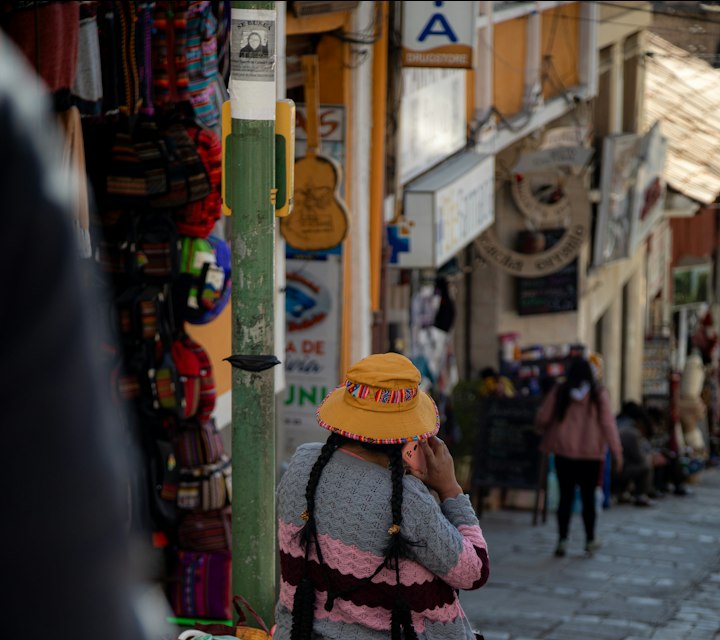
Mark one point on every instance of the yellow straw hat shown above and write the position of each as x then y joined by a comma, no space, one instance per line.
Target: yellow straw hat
380,403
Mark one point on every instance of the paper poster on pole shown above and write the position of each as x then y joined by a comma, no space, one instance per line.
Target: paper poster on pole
252,64
312,353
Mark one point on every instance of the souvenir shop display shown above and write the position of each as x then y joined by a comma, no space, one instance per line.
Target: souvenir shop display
533,368
138,88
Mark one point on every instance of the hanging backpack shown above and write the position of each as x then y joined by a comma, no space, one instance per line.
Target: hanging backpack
137,169
206,531
139,313
188,180
201,280
164,478
198,444
182,380
154,249
207,393
198,218
203,289
205,488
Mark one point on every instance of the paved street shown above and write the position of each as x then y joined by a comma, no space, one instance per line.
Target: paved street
657,575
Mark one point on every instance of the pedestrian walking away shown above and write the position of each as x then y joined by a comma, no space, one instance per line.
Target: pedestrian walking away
578,425
376,536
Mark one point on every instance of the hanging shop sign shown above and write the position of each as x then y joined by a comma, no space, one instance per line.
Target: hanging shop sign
649,193
537,185
553,157
575,136
444,211
557,256
621,157
319,220
312,353
432,119
439,34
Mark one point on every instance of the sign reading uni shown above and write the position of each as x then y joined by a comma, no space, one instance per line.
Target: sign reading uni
438,34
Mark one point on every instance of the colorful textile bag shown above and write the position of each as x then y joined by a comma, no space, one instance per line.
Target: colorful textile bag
209,531
205,488
202,585
203,289
199,444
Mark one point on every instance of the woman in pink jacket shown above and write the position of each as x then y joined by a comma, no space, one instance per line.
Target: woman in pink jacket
578,425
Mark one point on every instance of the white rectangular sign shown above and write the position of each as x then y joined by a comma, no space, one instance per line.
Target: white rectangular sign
433,119
445,211
438,34
312,352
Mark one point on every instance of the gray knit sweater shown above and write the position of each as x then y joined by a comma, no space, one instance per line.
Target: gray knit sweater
353,515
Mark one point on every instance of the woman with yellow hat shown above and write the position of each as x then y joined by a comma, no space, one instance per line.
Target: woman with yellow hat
366,550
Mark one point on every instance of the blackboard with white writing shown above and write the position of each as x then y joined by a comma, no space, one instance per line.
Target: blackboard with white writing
507,453
554,293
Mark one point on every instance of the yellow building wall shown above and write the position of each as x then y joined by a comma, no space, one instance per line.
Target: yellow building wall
560,29
510,54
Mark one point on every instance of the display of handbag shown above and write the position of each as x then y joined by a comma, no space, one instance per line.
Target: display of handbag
198,444
164,476
205,488
206,531
198,218
201,588
188,180
139,313
182,380
204,286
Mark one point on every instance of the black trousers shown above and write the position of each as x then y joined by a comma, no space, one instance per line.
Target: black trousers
572,473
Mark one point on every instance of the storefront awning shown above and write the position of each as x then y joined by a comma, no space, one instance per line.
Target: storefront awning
683,93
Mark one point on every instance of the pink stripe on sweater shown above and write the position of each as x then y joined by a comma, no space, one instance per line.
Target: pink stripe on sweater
350,560
469,567
474,534
373,617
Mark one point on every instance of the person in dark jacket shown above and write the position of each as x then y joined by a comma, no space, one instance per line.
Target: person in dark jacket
64,548
637,474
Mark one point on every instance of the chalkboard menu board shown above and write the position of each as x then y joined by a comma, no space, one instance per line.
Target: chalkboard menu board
554,293
507,452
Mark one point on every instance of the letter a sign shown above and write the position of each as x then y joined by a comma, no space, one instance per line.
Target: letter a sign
439,34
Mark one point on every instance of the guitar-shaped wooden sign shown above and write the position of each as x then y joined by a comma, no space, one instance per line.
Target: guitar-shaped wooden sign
319,220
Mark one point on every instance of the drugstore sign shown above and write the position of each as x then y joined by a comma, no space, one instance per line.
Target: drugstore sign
439,34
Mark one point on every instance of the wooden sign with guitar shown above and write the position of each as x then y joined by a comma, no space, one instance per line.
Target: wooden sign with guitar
319,220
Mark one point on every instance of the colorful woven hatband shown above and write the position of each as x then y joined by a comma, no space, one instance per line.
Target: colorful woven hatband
380,402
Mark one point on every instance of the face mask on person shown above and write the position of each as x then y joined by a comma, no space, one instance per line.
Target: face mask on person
579,393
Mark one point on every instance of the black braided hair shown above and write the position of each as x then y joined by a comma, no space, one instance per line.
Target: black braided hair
401,626
397,547
304,602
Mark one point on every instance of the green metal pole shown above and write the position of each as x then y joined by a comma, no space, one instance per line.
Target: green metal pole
250,180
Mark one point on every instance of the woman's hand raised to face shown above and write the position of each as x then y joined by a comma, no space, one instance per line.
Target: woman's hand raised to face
440,471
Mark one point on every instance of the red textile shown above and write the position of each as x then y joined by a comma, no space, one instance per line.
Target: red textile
57,26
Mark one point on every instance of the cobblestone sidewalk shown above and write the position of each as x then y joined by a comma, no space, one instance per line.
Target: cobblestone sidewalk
656,576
